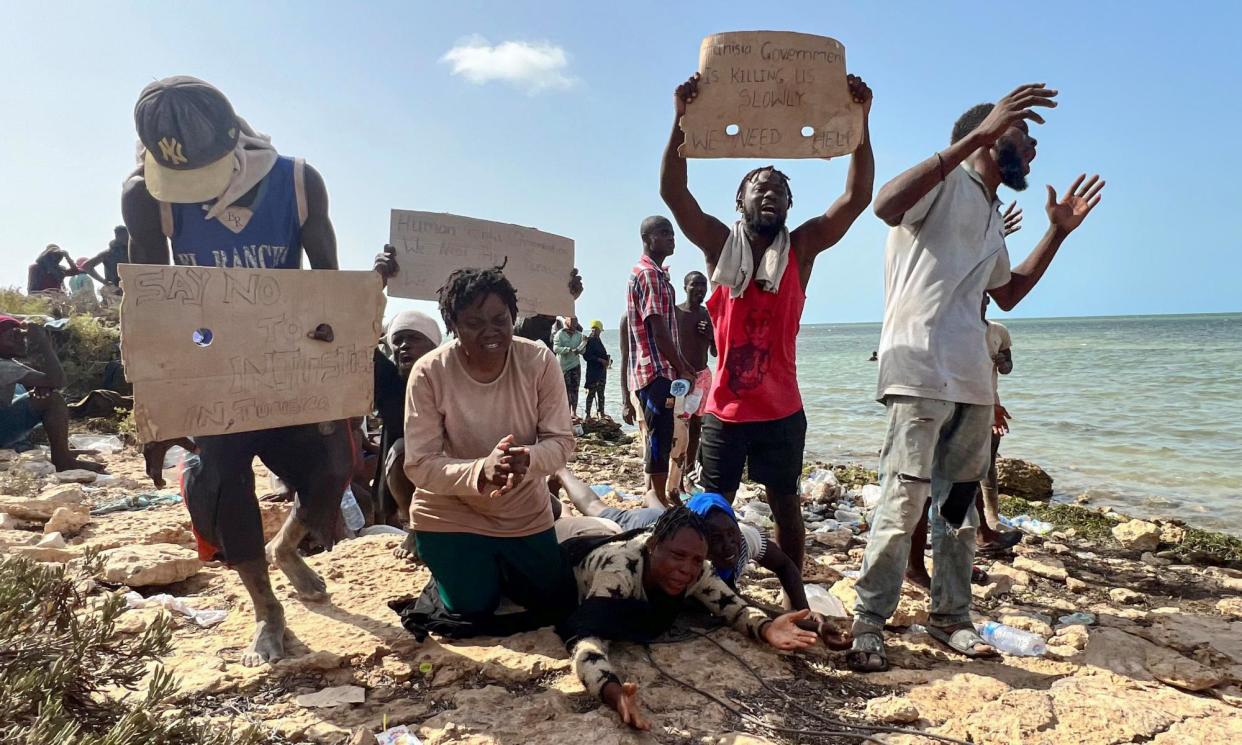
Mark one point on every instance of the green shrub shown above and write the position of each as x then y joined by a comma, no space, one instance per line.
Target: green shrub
64,668
14,302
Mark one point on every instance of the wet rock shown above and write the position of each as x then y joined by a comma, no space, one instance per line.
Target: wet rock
148,565
1023,479
892,710
1125,595
67,520
1044,566
1137,535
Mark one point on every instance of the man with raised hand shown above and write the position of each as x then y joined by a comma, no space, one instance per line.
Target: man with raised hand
946,248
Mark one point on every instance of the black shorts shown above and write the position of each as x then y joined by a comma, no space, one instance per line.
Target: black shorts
770,451
314,460
657,412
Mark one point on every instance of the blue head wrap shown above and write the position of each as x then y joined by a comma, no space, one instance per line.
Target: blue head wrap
703,503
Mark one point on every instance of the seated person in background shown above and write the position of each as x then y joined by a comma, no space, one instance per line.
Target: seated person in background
732,546
48,272
486,422
631,588
410,335
37,401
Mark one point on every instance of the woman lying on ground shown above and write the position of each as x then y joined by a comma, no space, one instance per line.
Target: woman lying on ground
731,547
487,421
631,588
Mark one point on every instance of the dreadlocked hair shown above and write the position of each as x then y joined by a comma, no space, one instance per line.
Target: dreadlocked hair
466,287
673,520
741,188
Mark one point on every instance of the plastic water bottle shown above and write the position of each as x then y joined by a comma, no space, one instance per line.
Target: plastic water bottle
351,512
847,516
1028,524
1012,641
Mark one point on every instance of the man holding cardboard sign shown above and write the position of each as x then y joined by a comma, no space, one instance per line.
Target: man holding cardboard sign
754,415
219,195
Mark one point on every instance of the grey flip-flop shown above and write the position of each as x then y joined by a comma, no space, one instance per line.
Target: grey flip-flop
962,641
866,645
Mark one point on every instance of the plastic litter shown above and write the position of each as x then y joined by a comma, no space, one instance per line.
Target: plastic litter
137,502
871,494
824,602
204,618
99,443
175,456
1008,640
756,514
1081,618
350,510
399,735
1028,524
608,490
820,485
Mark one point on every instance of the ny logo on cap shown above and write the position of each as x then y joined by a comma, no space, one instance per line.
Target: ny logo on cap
170,150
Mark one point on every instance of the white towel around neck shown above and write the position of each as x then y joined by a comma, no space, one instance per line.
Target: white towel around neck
736,265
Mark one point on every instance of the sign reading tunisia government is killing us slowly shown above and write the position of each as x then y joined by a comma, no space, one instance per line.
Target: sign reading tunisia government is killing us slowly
213,351
432,245
771,94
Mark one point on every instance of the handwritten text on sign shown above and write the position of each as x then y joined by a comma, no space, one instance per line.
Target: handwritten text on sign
432,245
771,94
213,351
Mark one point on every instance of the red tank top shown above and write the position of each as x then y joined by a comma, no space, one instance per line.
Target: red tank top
756,340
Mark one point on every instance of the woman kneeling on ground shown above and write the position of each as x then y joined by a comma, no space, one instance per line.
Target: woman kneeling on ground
632,587
487,421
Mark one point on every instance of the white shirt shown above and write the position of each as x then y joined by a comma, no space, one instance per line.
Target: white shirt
998,340
948,250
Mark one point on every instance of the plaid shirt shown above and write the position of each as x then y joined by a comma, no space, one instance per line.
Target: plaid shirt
650,294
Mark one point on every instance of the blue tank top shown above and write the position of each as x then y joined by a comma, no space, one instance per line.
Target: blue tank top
272,239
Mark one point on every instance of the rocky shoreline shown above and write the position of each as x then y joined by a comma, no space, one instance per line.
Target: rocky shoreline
1160,661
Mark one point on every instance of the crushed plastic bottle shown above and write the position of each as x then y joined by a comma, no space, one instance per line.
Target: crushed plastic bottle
823,602
871,494
1008,640
1028,524
1081,618
821,485
350,510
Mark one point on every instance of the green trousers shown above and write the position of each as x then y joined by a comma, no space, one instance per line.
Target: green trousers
473,571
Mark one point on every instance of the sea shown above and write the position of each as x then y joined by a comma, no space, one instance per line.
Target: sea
1140,413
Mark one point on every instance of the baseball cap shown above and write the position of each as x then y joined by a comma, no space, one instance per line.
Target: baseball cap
189,130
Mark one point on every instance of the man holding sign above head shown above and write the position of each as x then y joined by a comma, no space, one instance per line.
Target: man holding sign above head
211,192
760,269
945,250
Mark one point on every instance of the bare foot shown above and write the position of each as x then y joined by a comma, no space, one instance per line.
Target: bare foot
69,464
309,585
408,549
268,644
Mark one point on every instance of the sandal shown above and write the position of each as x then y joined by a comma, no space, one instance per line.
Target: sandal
867,655
978,576
962,640
1005,541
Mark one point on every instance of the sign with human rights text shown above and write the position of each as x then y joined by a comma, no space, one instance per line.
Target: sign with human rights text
432,245
213,351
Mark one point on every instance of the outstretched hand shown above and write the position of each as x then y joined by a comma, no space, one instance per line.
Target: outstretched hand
686,93
784,634
1012,218
623,699
1018,105
1067,213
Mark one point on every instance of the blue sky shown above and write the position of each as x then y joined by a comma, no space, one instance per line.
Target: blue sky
1148,99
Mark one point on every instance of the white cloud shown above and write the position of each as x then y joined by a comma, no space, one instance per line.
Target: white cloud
533,67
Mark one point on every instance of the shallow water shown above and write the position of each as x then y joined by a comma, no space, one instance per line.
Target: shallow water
1145,412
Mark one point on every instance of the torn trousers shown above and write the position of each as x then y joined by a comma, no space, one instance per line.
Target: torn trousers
938,451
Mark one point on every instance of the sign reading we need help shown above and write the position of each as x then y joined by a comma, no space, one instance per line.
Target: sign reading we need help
771,94
215,351
432,245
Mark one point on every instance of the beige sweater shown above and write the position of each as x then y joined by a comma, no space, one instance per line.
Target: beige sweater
452,423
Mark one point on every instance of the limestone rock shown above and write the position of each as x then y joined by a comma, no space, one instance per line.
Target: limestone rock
75,476
1125,595
67,520
1003,569
1023,479
147,565
51,540
1152,560
1231,607
45,554
834,540
1075,636
363,736
1138,658
40,508
1138,535
1044,566
997,586
1073,584
892,710
1172,534
1027,622
911,607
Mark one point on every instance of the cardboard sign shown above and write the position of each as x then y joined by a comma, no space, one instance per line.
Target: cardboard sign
213,351
771,94
432,245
